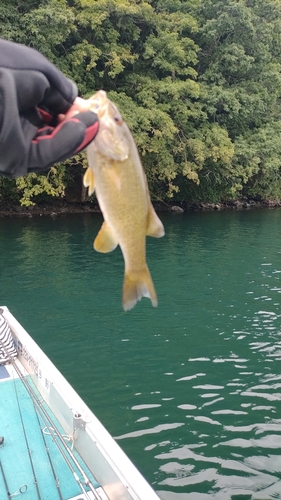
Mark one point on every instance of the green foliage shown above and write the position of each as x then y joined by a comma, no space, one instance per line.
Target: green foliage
197,81
257,158
239,71
8,191
38,186
240,75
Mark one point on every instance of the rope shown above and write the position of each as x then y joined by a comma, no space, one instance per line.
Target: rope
47,431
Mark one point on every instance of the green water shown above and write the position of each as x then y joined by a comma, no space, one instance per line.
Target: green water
190,390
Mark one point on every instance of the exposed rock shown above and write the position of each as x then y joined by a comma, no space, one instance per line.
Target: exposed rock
271,203
63,207
177,209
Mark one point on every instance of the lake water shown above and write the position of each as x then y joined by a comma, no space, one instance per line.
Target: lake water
191,390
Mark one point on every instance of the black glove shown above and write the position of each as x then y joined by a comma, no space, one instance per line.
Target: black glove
33,92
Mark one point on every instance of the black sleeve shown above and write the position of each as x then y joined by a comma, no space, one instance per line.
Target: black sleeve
28,81
60,92
16,131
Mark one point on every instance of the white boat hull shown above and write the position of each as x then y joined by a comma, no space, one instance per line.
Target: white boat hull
118,477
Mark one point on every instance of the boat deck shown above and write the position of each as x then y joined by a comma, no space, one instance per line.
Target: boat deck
30,459
55,448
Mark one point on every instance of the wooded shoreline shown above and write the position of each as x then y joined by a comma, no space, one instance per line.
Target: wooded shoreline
62,208
198,83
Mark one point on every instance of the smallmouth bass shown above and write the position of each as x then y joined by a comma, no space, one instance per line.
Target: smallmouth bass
117,176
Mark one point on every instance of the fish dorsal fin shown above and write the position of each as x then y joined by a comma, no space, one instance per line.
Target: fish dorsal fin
114,175
105,241
89,180
154,225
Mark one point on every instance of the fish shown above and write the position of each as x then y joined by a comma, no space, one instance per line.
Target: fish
115,173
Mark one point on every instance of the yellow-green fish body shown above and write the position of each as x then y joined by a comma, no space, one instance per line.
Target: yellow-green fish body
116,174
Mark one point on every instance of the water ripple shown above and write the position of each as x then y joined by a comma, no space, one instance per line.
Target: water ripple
154,430
191,389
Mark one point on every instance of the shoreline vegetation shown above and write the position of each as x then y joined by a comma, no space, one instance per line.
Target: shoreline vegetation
198,83
62,207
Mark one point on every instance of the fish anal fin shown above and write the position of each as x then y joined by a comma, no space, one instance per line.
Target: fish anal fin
155,227
105,241
137,285
89,180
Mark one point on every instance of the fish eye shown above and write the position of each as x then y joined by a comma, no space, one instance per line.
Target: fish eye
118,120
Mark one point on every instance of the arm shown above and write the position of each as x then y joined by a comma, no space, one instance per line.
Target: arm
34,98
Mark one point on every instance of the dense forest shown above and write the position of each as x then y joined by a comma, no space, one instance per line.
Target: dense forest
197,81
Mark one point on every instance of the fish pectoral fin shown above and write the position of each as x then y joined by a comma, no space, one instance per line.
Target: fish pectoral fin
155,227
137,285
113,174
89,180
105,241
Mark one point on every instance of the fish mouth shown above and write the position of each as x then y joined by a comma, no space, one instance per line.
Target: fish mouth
111,140
99,103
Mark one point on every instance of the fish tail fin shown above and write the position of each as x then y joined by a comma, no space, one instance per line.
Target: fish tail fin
137,285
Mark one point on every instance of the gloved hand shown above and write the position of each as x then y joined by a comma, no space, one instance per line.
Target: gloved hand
34,99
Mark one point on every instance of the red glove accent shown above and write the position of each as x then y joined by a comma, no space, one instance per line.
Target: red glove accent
53,145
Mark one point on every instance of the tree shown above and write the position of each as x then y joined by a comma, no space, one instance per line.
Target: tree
239,71
198,83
